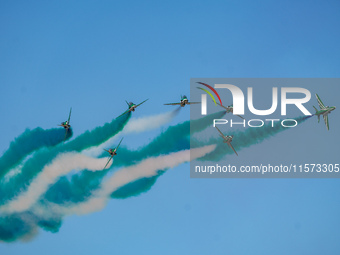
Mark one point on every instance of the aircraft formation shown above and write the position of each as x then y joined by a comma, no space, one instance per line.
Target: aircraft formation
324,111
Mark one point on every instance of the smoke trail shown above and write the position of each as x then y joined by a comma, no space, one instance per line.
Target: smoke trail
18,226
175,138
34,165
40,184
99,135
135,188
94,193
136,125
151,122
244,139
49,216
28,142
24,226
61,165
146,168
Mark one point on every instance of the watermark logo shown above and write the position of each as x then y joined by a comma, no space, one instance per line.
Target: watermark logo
239,99
204,97
238,114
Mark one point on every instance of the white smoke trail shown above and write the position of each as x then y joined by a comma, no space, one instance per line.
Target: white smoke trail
135,125
60,166
148,123
16,170
67,162
146,168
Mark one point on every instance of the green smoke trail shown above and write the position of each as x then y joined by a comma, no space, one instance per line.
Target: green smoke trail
28,142
244,139
20,225
23,224
175,138
137,187
34,165
13,227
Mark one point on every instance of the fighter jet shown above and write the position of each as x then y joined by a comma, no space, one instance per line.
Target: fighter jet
227,139
132,107
66,124
183,102
324,111
229,109
112,152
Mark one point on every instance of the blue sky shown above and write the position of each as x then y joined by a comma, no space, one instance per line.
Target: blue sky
92,56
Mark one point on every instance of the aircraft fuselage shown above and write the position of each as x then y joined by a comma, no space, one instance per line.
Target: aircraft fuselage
132,108
326,111
228,139
65,125
229,109
184,102
112,152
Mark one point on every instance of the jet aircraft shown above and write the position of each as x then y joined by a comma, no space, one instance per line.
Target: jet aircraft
112,153
324,111
183,102
227,139
132,107
229,109
66,124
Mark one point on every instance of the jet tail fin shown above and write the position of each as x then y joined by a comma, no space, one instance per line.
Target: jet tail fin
316,110
127,103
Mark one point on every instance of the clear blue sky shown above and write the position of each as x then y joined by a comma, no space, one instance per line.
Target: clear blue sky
92,56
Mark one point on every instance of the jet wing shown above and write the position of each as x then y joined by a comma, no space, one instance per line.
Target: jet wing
224,137
65,134
108,162
173,104
193,102
119,143
322,106
142,102
223,106
69,116
325,118
123,113
232,147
